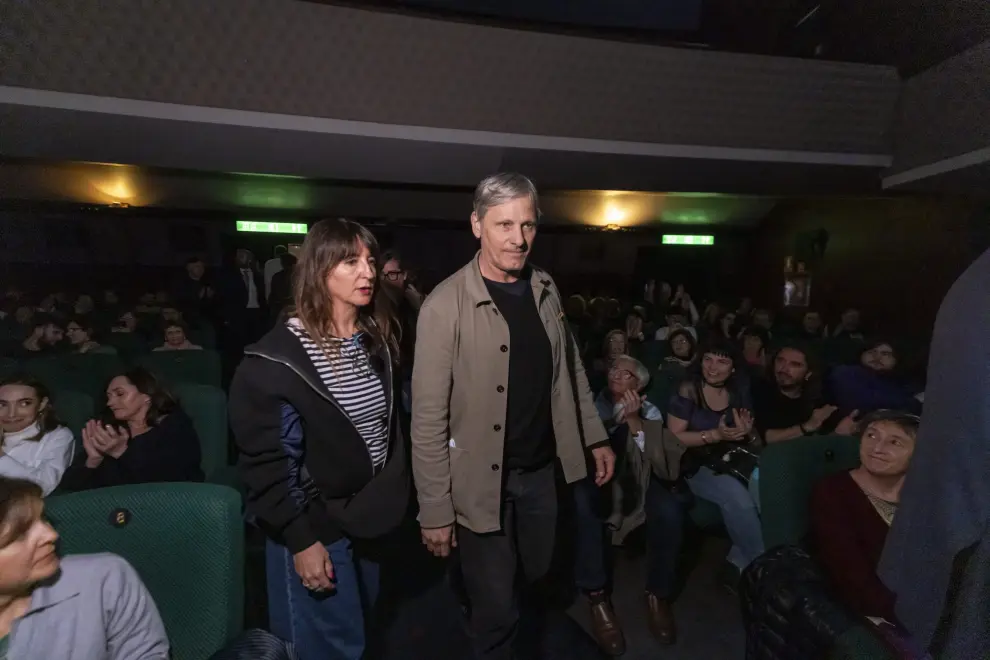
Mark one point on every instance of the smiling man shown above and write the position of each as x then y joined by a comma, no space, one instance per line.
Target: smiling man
499,394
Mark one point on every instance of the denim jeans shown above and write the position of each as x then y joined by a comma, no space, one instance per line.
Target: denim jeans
664,531
322,626
738,511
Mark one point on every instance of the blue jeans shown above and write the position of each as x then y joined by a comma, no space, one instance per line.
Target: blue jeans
664,533
738,511
322,626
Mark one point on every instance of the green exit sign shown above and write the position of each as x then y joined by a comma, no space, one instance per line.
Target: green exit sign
272,227
687,239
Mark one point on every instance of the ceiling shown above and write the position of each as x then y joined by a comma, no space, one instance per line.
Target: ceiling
254,196
909,34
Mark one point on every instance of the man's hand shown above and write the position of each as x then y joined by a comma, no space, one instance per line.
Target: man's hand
314,567
440,541
604,464
818,417
848,424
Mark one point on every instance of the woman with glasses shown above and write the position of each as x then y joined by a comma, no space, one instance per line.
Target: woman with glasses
79,332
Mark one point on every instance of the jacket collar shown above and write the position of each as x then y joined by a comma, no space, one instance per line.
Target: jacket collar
476,289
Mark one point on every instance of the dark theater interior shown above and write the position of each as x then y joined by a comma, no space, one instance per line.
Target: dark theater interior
243,241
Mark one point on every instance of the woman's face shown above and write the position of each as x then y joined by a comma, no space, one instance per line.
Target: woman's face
129,321
29,558
716,369
126,402
885,449
77,336
622,377
728,321
879,358
52,334
20,407
752,344
175,335
680,347
616,345
352,281
812,323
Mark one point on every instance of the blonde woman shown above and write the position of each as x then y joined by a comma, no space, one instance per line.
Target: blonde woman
314,415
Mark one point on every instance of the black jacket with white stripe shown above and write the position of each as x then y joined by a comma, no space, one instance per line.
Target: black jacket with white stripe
308,472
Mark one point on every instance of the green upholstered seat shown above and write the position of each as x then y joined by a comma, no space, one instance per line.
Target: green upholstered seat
88,373
74,409
175,367
129,345
185,540
788,472
206,405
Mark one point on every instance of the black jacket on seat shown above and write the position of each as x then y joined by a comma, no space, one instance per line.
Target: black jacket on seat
308,472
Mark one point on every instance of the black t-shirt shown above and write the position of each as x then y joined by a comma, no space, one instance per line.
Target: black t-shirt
774,410
529,440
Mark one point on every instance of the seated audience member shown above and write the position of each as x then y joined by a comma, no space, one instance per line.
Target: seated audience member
47,336
614,345
126,322
812,326
24,319
33,445
80,333
682,300
82,607
83,305
851,513
849,325
726,327
744,312
676,319
674,367
176,339
710,415
788,404
755,339
626,416
171,314
873,384
636,331
144,437
762,318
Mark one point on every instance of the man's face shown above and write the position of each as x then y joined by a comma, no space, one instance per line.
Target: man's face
243,258
393,275
506,232
850,319
195,269
812,323
790,368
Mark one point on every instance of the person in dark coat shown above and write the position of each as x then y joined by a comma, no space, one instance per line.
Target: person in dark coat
937,556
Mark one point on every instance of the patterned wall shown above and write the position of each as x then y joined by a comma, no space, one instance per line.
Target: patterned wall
319,60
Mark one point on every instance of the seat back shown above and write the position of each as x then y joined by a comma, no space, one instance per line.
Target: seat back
788,472
88,373
74,409
8,367
207,407
129,345
185,540
175,367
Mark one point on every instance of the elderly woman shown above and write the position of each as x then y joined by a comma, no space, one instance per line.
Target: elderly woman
629,419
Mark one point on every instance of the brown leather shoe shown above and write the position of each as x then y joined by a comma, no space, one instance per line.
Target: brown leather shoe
660,618
605,627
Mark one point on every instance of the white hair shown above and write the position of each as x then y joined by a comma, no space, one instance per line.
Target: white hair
501,188
639,370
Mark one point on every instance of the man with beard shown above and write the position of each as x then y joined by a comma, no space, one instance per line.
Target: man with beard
789,406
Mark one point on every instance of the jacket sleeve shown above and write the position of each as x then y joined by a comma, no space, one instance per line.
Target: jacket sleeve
591,423
855,579
436,335
256,419
53,459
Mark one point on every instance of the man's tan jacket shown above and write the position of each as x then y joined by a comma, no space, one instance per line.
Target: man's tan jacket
459,396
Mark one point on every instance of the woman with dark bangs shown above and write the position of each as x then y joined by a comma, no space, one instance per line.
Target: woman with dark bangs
711,414
322,455
82,607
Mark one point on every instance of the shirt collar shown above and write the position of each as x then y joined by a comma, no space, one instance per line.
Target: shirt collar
479,292
11,439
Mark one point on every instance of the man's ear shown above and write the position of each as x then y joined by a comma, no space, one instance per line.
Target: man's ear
476,225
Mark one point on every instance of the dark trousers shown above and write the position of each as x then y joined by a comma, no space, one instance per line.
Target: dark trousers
665,511
321,626
489,561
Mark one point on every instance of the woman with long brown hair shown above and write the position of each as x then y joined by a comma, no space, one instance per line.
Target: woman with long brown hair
321,453
33,444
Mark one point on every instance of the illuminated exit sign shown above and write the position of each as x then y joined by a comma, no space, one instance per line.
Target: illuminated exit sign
687,239
272,227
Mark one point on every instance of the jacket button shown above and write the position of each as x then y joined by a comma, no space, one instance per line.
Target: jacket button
499,389
504,348
494,467
498,427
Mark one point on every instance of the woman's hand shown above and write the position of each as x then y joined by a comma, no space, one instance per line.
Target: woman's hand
105,439
314,567
93,455
742,425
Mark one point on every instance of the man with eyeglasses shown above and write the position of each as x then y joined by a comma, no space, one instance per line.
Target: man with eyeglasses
406,302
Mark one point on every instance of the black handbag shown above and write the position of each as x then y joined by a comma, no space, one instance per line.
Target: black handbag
731,458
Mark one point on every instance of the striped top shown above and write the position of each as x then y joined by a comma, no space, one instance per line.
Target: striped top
354,385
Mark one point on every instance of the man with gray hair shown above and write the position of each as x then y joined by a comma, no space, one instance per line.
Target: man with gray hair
499,395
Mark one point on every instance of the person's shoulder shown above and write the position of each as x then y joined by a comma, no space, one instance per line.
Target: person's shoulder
832,487
102,568
58,434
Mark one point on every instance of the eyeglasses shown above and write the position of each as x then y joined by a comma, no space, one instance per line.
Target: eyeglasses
624,374
393,275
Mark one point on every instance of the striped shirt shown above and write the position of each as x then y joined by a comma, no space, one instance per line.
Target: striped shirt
347,374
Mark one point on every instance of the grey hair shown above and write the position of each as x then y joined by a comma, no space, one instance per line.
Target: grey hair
640,371
501,188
